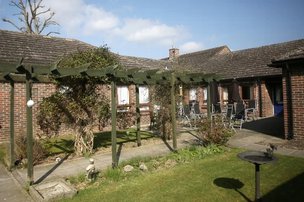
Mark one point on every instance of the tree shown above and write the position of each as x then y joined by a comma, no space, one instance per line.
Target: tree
31,15
80,102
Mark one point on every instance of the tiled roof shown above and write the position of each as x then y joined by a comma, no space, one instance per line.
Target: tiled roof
241,64
144,63
36,49
44,50
293,55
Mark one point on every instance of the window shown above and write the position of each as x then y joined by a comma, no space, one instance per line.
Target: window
123,95
225,94
247,92
205,92
192,94
278,94
143,95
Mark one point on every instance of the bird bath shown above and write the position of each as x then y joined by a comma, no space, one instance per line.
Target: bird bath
257,158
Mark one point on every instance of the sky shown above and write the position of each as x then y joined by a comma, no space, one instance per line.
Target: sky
146,28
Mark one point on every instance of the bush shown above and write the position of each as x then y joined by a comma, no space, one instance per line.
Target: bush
213,131
39,153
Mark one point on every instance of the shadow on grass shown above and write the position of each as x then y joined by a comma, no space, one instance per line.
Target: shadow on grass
103,139
273,126
231,183
291,190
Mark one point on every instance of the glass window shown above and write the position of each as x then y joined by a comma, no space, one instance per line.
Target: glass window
192,94
225,94
143,95
123,95
246,92
205,92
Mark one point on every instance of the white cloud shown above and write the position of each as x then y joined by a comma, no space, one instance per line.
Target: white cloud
92,23
191,46
147,31
75,16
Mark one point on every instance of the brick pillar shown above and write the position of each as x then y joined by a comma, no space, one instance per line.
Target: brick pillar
267,105
297,95
286,104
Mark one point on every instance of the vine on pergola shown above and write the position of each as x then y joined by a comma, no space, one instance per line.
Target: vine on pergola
79,102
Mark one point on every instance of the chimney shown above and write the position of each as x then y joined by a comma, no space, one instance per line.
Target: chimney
173,53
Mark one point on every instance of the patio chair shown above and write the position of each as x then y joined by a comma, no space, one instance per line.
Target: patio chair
216,111
239,115
227,118
251,110
186,116
197,112
216,108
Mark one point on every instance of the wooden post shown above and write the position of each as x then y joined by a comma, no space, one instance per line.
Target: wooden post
208,101
12,126
173,110
29,129
137,116
113,133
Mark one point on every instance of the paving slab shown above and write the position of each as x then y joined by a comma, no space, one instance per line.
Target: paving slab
10,189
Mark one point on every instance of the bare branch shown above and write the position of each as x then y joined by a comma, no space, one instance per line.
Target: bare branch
30,10
12,23
42,12
52,33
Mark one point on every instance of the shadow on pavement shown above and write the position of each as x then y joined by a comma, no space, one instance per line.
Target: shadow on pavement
52,169
273,126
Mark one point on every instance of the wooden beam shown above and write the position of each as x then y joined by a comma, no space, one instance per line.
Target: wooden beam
173,110
208,101
12,126
29,129
137,115
113,132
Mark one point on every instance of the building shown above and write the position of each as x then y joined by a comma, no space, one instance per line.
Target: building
257,81
292,65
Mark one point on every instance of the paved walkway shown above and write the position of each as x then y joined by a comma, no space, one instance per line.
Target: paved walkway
10,190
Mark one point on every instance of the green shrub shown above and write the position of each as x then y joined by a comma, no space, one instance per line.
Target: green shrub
213,131
39,152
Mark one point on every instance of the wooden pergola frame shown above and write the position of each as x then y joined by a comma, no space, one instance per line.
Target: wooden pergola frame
29,73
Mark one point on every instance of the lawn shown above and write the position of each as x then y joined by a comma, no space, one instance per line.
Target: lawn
65,144
213,177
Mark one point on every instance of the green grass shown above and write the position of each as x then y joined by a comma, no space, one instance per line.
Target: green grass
3,150
201,176
65,144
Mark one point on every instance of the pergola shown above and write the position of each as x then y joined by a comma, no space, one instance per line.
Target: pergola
30,73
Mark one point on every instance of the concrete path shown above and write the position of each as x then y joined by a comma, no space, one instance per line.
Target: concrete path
102,160
10,190
252,140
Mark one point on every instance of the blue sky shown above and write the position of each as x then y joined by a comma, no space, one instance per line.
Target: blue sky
149,28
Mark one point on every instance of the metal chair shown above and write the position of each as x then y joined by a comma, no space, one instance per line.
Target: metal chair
227,118
239,115
251,109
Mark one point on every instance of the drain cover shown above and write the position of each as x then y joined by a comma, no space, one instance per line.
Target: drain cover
52,190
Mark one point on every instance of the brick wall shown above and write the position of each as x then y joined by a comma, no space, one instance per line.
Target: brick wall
267,105
40,91
286,101
297,94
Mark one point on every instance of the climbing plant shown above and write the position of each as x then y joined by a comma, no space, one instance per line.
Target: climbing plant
79,102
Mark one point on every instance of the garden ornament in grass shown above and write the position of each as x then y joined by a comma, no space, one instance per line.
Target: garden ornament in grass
90,170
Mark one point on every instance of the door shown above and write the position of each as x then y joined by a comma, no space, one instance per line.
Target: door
278,100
